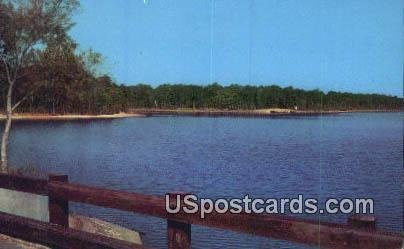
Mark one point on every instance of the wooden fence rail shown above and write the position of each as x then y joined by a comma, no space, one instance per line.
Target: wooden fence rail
56,236
60,192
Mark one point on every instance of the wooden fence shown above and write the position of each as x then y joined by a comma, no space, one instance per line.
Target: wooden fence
357,233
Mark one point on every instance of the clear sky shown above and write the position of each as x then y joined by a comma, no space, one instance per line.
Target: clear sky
344,45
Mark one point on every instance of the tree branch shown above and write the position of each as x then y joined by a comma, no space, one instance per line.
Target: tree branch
15,106
19,102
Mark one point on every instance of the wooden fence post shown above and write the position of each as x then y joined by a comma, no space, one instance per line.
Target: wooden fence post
362,221
58,208
178,233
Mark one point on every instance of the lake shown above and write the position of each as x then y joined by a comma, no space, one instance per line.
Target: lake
345,155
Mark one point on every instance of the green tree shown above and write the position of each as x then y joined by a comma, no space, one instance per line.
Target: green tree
27,26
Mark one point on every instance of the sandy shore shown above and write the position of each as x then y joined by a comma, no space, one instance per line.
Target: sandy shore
235,113
67,117
270,112
182,112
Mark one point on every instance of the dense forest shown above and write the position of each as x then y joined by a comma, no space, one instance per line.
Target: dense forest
102,95
251,97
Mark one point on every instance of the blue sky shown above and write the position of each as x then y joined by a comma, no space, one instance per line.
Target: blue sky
344,45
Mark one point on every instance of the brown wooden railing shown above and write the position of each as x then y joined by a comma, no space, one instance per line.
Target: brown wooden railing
356,234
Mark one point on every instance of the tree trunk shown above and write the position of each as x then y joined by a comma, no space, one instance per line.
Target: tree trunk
6,132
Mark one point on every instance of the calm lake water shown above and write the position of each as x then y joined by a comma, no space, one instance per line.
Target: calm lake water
346,155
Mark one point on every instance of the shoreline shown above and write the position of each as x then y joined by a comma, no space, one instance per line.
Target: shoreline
273,112
67,117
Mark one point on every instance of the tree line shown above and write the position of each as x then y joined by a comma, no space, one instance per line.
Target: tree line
86,94
251,97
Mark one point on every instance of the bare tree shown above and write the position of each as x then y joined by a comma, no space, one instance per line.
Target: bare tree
27,27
